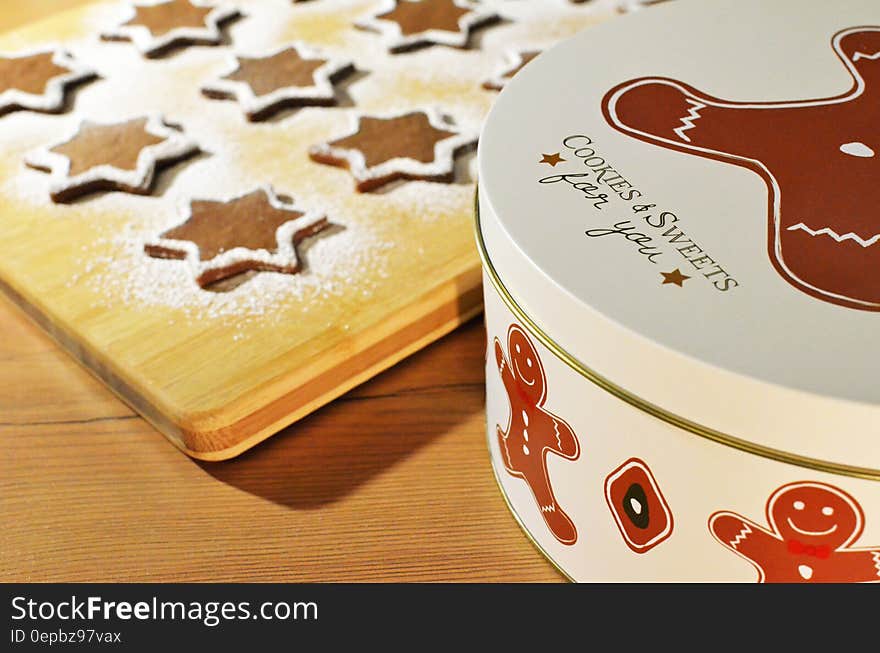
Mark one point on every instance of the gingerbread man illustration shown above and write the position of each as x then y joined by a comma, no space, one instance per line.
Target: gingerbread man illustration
820,160
812,528
532,431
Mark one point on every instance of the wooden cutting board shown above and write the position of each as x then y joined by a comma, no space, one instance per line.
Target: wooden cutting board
217,372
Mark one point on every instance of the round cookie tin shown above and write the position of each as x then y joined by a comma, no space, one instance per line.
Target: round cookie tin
678,218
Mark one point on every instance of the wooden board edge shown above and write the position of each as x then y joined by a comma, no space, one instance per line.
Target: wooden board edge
406,337
378,366
402,336
92,363
191,434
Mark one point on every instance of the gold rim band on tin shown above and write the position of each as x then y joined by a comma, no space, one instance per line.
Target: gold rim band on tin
646,406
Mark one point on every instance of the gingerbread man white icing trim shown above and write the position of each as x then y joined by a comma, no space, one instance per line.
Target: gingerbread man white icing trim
255,106
154,46
175,145
702,121
397,40
532,431
52,99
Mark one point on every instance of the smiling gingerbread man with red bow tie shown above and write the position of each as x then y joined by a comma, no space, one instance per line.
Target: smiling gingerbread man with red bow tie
812,529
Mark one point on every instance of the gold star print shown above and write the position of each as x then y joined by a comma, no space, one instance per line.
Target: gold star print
675,277
551,159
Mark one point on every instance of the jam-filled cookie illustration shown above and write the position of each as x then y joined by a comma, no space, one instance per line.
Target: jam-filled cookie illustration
639,508
812,527
533,432
826,244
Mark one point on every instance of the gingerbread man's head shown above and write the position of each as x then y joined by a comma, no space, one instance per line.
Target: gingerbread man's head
527,367
815,514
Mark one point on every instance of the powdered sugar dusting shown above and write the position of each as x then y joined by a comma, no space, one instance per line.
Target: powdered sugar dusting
334,265
380,22
150,44
378,238
444,151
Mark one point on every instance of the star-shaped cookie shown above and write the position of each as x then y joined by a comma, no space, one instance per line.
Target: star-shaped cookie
291,76
514,62
157,26
411,145
120,156
256,232
407,24
37,81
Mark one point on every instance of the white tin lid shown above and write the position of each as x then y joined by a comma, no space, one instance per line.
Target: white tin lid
745,296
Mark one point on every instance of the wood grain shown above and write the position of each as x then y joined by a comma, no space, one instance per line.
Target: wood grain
218,383
391,482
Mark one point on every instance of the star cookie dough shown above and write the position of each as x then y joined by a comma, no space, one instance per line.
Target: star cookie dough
120,156
413,145
407,24
257,232
38,81
288,77
515,61
157,26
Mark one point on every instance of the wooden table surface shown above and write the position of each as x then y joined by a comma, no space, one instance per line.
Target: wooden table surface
391,482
